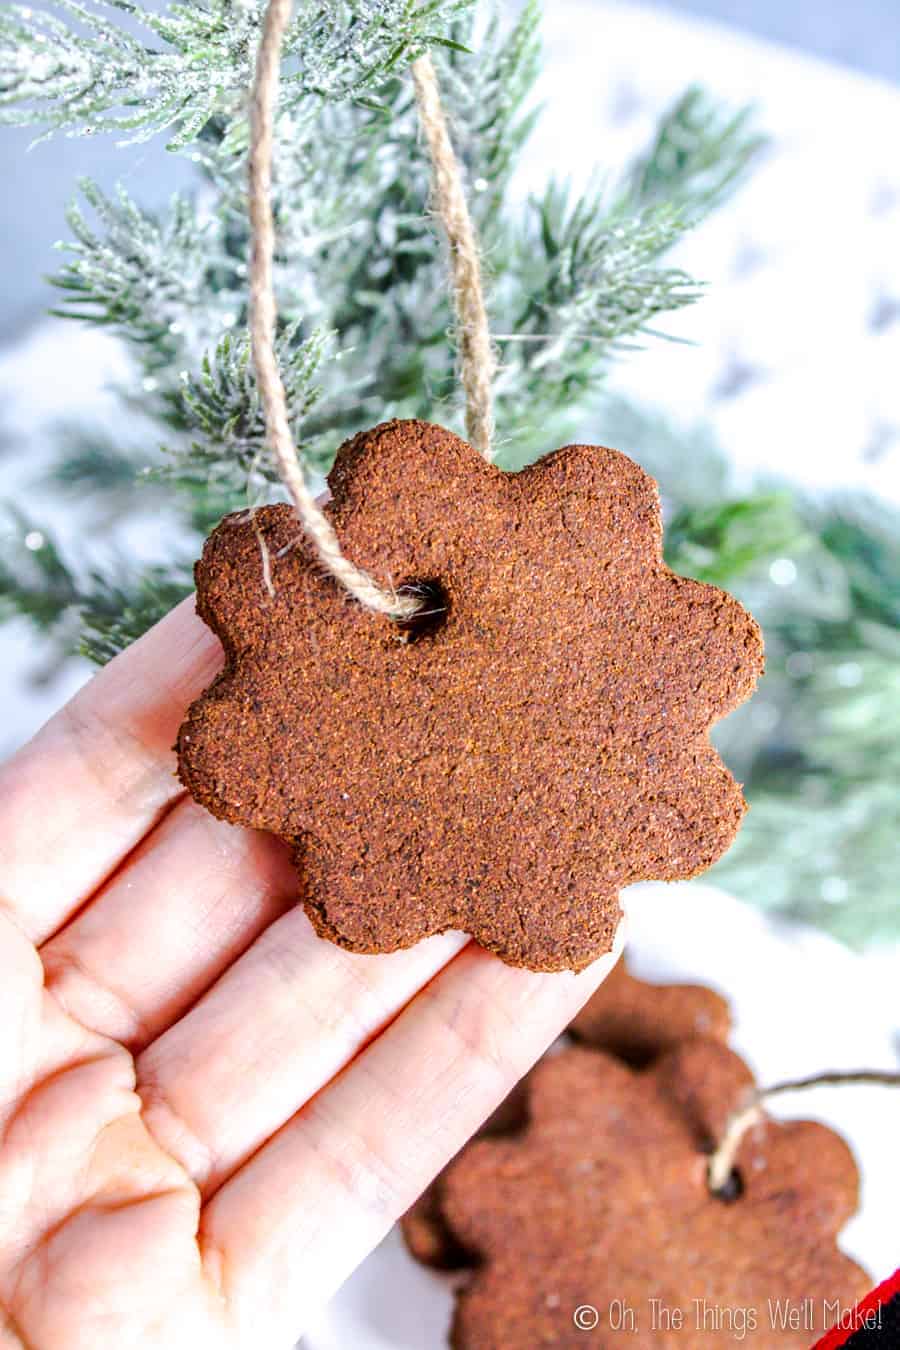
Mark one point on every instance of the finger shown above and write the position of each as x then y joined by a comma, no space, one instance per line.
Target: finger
284,1232
279,1024
91,783
186,904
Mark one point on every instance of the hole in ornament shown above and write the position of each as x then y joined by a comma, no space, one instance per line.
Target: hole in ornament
733,1188
432,612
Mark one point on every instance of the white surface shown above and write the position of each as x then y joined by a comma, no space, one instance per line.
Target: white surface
802,1003
798,264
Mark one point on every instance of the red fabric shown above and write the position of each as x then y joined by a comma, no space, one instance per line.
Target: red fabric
839,1335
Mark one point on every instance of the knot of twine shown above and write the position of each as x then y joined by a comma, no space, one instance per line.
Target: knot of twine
475,348
750,1113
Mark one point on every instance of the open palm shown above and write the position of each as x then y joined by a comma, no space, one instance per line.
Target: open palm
207,1115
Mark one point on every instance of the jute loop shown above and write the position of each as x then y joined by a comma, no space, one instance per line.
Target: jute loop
477,361
749,1113
263,100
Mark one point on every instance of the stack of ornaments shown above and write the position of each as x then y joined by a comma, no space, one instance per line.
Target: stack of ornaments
584,1204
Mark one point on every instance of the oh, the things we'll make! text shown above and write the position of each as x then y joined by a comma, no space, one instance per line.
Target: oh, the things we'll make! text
732,1321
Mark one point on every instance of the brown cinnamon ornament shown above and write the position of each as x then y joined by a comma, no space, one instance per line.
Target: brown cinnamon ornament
629,1018
538,740
602,1205
637,1021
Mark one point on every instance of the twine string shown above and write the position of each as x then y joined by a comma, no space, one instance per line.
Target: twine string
477,361
263,101
749,1113
476,352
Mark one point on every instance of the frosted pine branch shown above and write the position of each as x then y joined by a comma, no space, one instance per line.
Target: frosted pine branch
592,282
572,280
147,277
597,270
115,607
700,153
219,409
193,62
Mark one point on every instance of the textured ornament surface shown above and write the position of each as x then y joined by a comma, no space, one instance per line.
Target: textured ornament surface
602,1203
629,1018
637,1021
508,772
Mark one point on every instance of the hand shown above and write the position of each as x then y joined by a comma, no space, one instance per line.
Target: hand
208,1116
